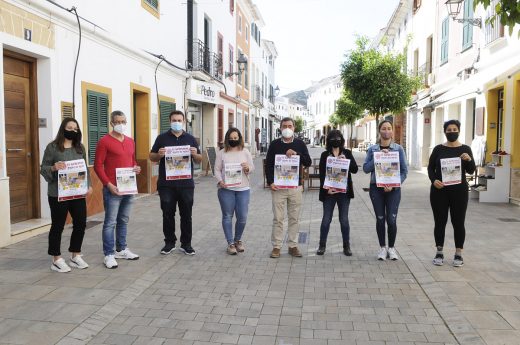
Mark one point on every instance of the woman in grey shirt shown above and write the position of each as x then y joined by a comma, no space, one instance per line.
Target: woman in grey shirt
66,147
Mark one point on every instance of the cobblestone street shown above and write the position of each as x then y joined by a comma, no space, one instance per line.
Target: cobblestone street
215,298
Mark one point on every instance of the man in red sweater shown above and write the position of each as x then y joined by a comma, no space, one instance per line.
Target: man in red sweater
115,150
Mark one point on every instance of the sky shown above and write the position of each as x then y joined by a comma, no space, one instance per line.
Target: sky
312,36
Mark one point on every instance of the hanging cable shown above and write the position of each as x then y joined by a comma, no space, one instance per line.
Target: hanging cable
157,88
73,10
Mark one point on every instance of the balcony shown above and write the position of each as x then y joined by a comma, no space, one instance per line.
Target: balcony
494,30
423,72
205,60
257,96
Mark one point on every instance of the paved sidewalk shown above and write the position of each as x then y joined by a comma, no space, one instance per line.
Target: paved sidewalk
214,298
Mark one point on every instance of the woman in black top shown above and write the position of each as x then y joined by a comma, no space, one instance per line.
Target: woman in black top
329,197
450,193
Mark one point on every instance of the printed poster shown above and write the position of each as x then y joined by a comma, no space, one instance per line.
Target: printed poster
336,176
232,174
286,171
178,162
387,169
72,181
451,169
126,181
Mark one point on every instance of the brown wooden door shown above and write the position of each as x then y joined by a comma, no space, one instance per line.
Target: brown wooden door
17,100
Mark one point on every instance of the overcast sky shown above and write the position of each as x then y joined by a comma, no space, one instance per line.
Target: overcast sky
312,36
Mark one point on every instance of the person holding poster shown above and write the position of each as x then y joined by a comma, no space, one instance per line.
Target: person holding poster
288,148
386,163
336,165
115,151
233,166
66,148
176,150
449,163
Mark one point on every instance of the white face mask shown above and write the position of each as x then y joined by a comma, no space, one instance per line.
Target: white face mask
287,133
120,128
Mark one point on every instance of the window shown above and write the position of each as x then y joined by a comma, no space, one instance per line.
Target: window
246,129
151,6
246,27
467,31
165,108
416,5
246,77
232,6
239,77
231,61
97,120
494,29
66,110
220,49
444,40
239,23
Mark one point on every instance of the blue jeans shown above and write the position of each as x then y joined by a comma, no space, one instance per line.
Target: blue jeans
328,209
117,212
233,202
386,205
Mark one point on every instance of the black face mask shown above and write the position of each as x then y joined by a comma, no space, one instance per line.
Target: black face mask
452,136
70,135
335,143
234,143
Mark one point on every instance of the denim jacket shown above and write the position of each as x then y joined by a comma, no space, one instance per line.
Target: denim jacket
368,166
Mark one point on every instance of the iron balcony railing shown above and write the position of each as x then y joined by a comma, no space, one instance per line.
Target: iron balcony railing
493,30
207,61
422,72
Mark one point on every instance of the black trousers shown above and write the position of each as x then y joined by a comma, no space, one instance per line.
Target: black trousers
455,200
170,198
59,210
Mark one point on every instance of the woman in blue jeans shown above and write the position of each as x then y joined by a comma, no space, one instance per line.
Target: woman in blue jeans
233,165
330,197
385,199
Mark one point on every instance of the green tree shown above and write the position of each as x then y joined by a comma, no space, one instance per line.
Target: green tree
348,112
335,121
298,124
377,81
507,10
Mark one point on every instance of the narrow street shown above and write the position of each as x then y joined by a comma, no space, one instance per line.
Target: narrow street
214,298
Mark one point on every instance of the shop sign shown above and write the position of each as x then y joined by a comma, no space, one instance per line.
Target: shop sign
203,92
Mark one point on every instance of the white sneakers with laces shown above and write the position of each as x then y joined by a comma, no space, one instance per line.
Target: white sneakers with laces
60,266
382,254
110,261
392,254
389,253
78,262
126,254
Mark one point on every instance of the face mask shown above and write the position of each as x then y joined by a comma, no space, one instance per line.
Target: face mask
452,136
120,128
287,133
176,126
233,143
70,135
386,135
335,143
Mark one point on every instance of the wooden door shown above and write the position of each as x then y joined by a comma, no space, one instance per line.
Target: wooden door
19,140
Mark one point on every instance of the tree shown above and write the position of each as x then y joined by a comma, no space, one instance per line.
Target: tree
507,10
348,112
377,81
298,124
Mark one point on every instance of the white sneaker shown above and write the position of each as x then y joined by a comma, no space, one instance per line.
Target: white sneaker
78,262
126,254
60,266
392,254
110,261
382,254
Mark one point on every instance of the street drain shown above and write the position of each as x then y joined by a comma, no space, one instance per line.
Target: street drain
366,189
509,220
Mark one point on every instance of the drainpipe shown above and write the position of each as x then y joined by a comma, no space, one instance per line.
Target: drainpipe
190,33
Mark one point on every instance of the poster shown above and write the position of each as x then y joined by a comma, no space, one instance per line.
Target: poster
387,169
126,181
286,171
178,162
72,181
451,170
336,175
232,174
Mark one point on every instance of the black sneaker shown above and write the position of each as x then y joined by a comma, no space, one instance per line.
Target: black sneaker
188,250
168,249
321,250
346,250
457,261
439,259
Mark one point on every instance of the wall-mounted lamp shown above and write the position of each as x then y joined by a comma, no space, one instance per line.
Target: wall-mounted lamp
276,91
454,7
242,64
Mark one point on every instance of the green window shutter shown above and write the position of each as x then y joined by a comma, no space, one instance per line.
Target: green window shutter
467,30
444,40
97,121
165,108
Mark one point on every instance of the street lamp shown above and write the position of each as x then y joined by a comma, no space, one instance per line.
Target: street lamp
454,7
242,64
276,91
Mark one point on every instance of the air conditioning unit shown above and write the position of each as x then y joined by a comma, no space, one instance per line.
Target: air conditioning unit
431,79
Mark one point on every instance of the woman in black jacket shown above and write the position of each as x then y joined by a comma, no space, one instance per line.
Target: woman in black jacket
329,197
